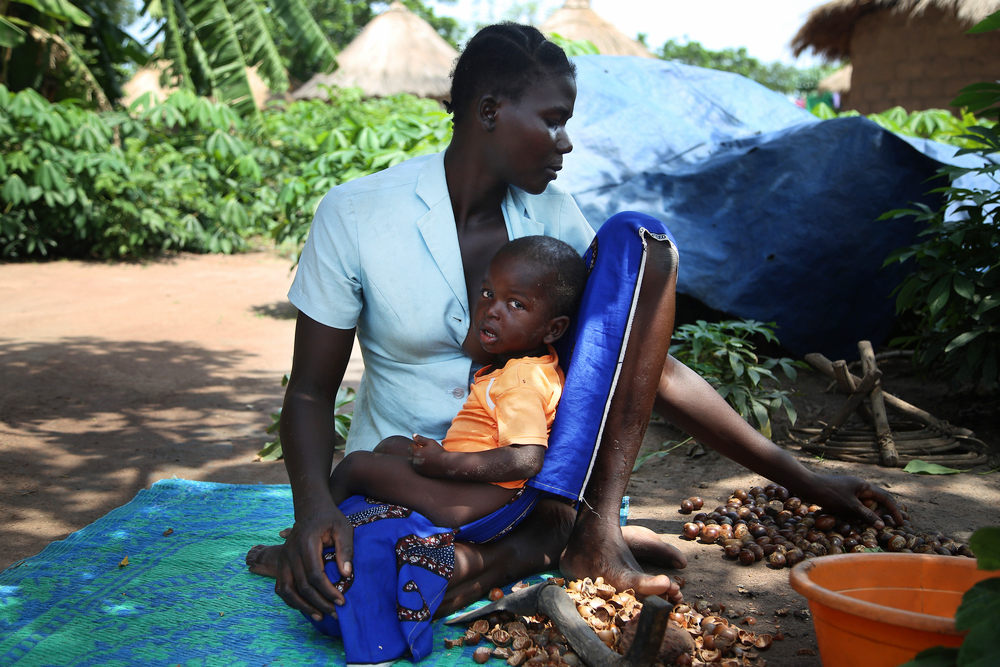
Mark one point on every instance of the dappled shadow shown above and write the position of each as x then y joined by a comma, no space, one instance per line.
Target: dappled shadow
280,310
86,423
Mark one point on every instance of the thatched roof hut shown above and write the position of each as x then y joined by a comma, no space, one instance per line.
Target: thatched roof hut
829,27
575,20
909,53
838,82
397,52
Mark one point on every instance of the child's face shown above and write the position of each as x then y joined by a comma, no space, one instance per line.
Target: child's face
513,315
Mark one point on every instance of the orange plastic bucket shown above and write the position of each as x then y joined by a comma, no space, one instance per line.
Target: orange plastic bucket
881,609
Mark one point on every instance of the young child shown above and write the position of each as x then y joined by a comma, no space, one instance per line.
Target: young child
498,439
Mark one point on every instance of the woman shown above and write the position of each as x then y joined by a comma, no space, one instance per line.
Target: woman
397,257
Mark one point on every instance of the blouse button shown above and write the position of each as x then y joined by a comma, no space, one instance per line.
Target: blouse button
458,392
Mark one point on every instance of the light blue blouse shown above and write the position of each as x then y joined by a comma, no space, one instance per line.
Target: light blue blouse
383,255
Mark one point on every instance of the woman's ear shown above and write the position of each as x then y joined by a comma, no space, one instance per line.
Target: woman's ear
557,327
487,111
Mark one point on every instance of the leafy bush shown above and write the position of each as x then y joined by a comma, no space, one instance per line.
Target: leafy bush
954,292
79,183
188,174
341,422
324,145
935,124
721,353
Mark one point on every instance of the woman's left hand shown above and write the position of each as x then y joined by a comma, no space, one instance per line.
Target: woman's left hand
844,494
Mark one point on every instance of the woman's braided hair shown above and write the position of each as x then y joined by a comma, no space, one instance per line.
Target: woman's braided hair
504,59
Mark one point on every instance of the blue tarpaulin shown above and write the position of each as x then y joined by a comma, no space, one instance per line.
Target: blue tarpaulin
775,212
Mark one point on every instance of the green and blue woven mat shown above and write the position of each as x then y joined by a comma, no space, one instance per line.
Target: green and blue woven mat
184,598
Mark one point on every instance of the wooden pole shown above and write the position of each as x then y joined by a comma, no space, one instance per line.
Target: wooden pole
852,403
825,366
848,386
887,454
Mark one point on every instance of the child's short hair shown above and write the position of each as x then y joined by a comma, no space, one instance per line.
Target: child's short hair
559,258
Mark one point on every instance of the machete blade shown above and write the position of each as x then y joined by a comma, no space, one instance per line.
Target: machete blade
523,602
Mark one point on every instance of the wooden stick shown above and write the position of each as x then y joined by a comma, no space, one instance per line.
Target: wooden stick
825,366
848,386
887,454
658,638
866,385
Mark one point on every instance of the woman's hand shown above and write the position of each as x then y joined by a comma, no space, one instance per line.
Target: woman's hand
301,581
846,495
428,456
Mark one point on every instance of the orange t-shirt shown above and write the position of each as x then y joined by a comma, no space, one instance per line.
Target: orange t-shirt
513,405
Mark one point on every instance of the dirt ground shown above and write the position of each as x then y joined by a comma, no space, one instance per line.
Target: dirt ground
115,375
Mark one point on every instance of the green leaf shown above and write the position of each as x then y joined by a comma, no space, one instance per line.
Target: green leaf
979,648
271,452
15,191
985,543
305,31
907,292
962,339
979,602
10,35
789,409
991,22
938,296
937,656
60,9
964,287
736,363
916,466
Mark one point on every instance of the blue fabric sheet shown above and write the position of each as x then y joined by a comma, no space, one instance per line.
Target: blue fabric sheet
776,211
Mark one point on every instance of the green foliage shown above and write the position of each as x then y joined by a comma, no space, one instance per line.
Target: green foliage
953,293
776,76
979,613
918,467
341,422
722,354
68,50
982,97
935,124
210,43
334,143
188,174
574,47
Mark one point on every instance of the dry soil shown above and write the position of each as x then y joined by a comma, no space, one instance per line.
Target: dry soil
115,375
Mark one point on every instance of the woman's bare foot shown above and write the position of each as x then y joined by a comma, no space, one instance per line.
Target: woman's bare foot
598,548
263,560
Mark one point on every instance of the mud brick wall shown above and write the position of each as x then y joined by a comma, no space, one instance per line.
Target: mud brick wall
918,62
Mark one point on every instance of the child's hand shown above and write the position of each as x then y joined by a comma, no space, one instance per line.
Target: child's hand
427,456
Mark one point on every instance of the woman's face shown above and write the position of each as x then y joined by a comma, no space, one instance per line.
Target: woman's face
530,136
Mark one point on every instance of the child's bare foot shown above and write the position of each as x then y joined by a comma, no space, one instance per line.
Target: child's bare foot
263,560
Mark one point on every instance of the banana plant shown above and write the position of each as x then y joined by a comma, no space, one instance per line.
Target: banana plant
210,44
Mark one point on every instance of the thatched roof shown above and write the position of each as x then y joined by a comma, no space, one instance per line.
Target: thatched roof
397,52
828,29
575,20
147,80
838,82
